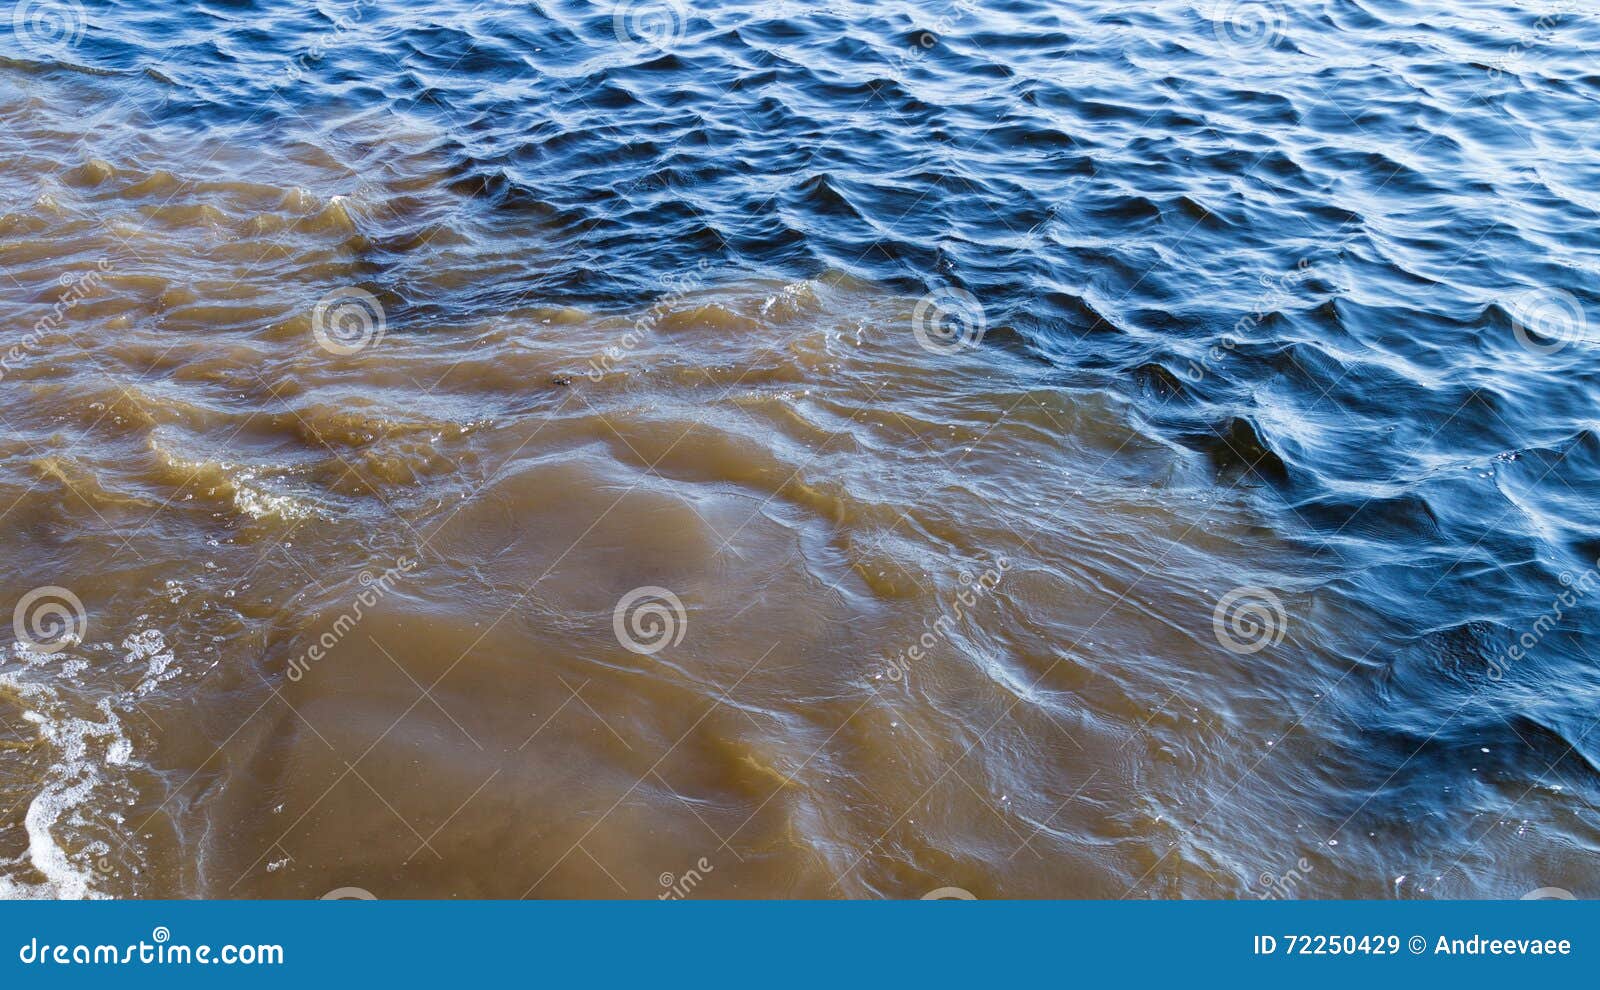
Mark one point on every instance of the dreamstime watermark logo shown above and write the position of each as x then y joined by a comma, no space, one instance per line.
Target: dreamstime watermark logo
677,888
1275,887
948,320
1253,25
974,588
76,288
678,287
647,620
653,25
1577,588
1277,292
374,588
348,894
925,41
160,950
1549,894
1543,30
1248,620
48,620
49,27
342,24
1545,321
950,894
348,320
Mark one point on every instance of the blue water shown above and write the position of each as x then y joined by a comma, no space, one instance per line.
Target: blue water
1344,252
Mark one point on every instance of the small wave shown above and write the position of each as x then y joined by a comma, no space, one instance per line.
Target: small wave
75,809
236,485
81,748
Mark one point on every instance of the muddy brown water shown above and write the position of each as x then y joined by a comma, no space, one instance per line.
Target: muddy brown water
902,618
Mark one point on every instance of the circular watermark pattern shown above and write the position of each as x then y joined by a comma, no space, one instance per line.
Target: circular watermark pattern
1549,894
652,25
1253,25
950,894
48,620
348,894
948,320
649,619
348,320
161,935
50,27
1547,320
1248,620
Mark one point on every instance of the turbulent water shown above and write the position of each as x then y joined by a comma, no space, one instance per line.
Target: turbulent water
1011,448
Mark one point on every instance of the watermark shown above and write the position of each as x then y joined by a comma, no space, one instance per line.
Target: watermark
1545,321
348,320
650,25
606,361
649,619
78,287
950,894
1271,886
1251,25
373,590
1542,29
1578,588
921,44
48,620
159,951
678,286
677,888
1277,291
948,320
1549,894
296,68
48,27
925,41
974,588
1249,619
348,894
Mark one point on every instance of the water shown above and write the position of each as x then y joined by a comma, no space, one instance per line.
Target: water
837,450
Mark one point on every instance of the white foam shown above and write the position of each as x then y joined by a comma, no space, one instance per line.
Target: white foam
248,496
149,647
71,780
84,751
259,504
68,783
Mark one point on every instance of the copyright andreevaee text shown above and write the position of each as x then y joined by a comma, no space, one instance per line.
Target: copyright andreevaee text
1416,945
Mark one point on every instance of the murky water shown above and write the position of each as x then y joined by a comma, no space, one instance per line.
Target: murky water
1040,449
